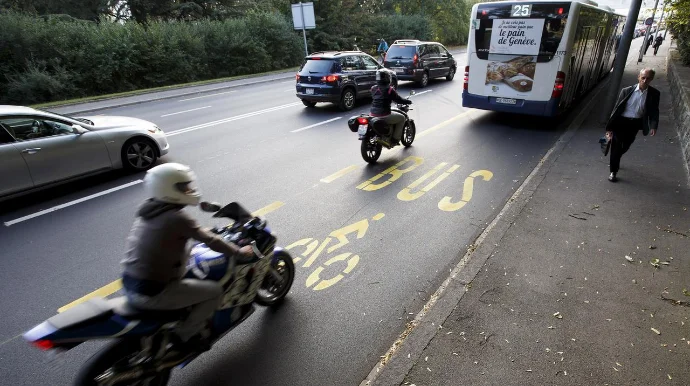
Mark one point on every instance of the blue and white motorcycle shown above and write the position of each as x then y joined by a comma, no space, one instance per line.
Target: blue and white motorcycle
141,352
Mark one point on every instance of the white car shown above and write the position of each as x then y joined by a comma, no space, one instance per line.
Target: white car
40,148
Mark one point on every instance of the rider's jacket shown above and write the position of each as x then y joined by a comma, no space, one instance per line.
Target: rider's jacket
157,249
382,96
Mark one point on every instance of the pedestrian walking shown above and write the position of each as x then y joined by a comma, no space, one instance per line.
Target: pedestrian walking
657,43
637,108
648,42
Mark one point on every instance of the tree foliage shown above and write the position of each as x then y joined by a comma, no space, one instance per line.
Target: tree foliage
679,25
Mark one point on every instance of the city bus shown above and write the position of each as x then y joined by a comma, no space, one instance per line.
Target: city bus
537,57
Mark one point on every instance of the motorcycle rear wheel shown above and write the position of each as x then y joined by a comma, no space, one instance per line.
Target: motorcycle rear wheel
371,150
115,354
271,292
409,132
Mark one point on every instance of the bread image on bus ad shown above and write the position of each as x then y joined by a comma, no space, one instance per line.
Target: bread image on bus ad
513,54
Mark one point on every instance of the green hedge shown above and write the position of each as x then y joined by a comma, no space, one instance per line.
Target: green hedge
44,59
47,59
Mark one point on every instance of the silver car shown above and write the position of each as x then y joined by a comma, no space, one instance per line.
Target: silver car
39,148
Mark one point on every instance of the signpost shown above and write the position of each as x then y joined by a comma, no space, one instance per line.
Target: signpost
303,18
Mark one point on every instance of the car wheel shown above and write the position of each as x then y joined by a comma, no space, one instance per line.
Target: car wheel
424,81
451,74
139,154
347,100
308,103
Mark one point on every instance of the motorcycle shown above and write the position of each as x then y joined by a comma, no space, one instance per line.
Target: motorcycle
141,352
376,134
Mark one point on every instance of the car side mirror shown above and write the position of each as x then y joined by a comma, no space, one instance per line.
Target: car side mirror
76,129
211,207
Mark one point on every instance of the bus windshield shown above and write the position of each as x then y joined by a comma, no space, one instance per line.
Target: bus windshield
520,29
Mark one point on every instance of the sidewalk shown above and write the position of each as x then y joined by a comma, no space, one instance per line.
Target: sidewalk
555,301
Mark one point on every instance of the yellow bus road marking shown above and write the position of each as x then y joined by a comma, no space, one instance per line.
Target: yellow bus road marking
102,292
268,209
339,174
443,124
116,285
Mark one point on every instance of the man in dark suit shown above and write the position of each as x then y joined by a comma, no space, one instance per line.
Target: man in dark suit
637,108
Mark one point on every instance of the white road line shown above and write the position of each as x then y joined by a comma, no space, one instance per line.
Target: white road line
288,81
316,124
226,120
206,96
186,111
67,204
420,93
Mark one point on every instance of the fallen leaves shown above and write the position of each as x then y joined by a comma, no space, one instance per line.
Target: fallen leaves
558,315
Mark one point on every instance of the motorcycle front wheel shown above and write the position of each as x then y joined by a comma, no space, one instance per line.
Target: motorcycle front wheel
409,132
371,150
274,289
113,360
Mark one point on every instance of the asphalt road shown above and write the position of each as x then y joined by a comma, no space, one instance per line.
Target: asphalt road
245,145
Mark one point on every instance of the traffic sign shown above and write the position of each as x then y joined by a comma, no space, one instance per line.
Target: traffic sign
649,21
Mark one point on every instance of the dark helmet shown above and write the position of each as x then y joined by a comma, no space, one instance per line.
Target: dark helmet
383,77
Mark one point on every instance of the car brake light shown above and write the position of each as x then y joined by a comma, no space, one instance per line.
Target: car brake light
466,81
558,85
43,344
415,58
297,77
315,58
484,12
362,121
330,78
560,11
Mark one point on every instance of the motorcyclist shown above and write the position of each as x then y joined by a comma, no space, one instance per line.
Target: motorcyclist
383,94
157,255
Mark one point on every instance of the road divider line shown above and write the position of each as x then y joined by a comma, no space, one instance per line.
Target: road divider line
339,174
68,204
185,111
268,209
442,124
316,124
102,292
116,285
206,96
230,119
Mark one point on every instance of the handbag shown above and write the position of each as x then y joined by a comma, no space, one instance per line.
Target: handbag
605,145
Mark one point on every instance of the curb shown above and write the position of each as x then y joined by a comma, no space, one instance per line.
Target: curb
406,351
184,93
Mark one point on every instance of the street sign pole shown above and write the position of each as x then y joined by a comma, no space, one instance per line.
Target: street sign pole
621,58
304,31
661,19
646,34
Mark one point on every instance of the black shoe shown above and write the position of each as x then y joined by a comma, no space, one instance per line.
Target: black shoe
612,177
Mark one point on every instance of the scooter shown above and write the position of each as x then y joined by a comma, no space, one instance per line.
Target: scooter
141,351
375,134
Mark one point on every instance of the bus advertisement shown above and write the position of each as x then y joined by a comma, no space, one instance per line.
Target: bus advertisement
537,57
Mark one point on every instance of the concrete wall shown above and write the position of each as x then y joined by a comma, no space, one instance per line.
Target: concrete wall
679,79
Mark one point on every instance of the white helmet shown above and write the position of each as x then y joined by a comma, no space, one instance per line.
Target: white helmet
172,183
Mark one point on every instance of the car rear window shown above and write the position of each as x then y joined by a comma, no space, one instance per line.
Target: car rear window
401,52
314,66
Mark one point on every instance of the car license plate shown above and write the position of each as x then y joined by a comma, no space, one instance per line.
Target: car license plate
506,101
399,70
362,129
309,91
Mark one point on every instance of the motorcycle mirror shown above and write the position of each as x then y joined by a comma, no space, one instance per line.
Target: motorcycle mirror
210,207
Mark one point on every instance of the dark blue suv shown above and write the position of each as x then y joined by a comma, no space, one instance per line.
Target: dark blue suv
339,77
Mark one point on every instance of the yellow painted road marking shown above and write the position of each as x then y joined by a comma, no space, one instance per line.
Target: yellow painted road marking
268,209
442,124
116,285
339,174
102,292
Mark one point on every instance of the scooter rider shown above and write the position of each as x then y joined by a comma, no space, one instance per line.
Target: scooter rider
383,94
157,255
